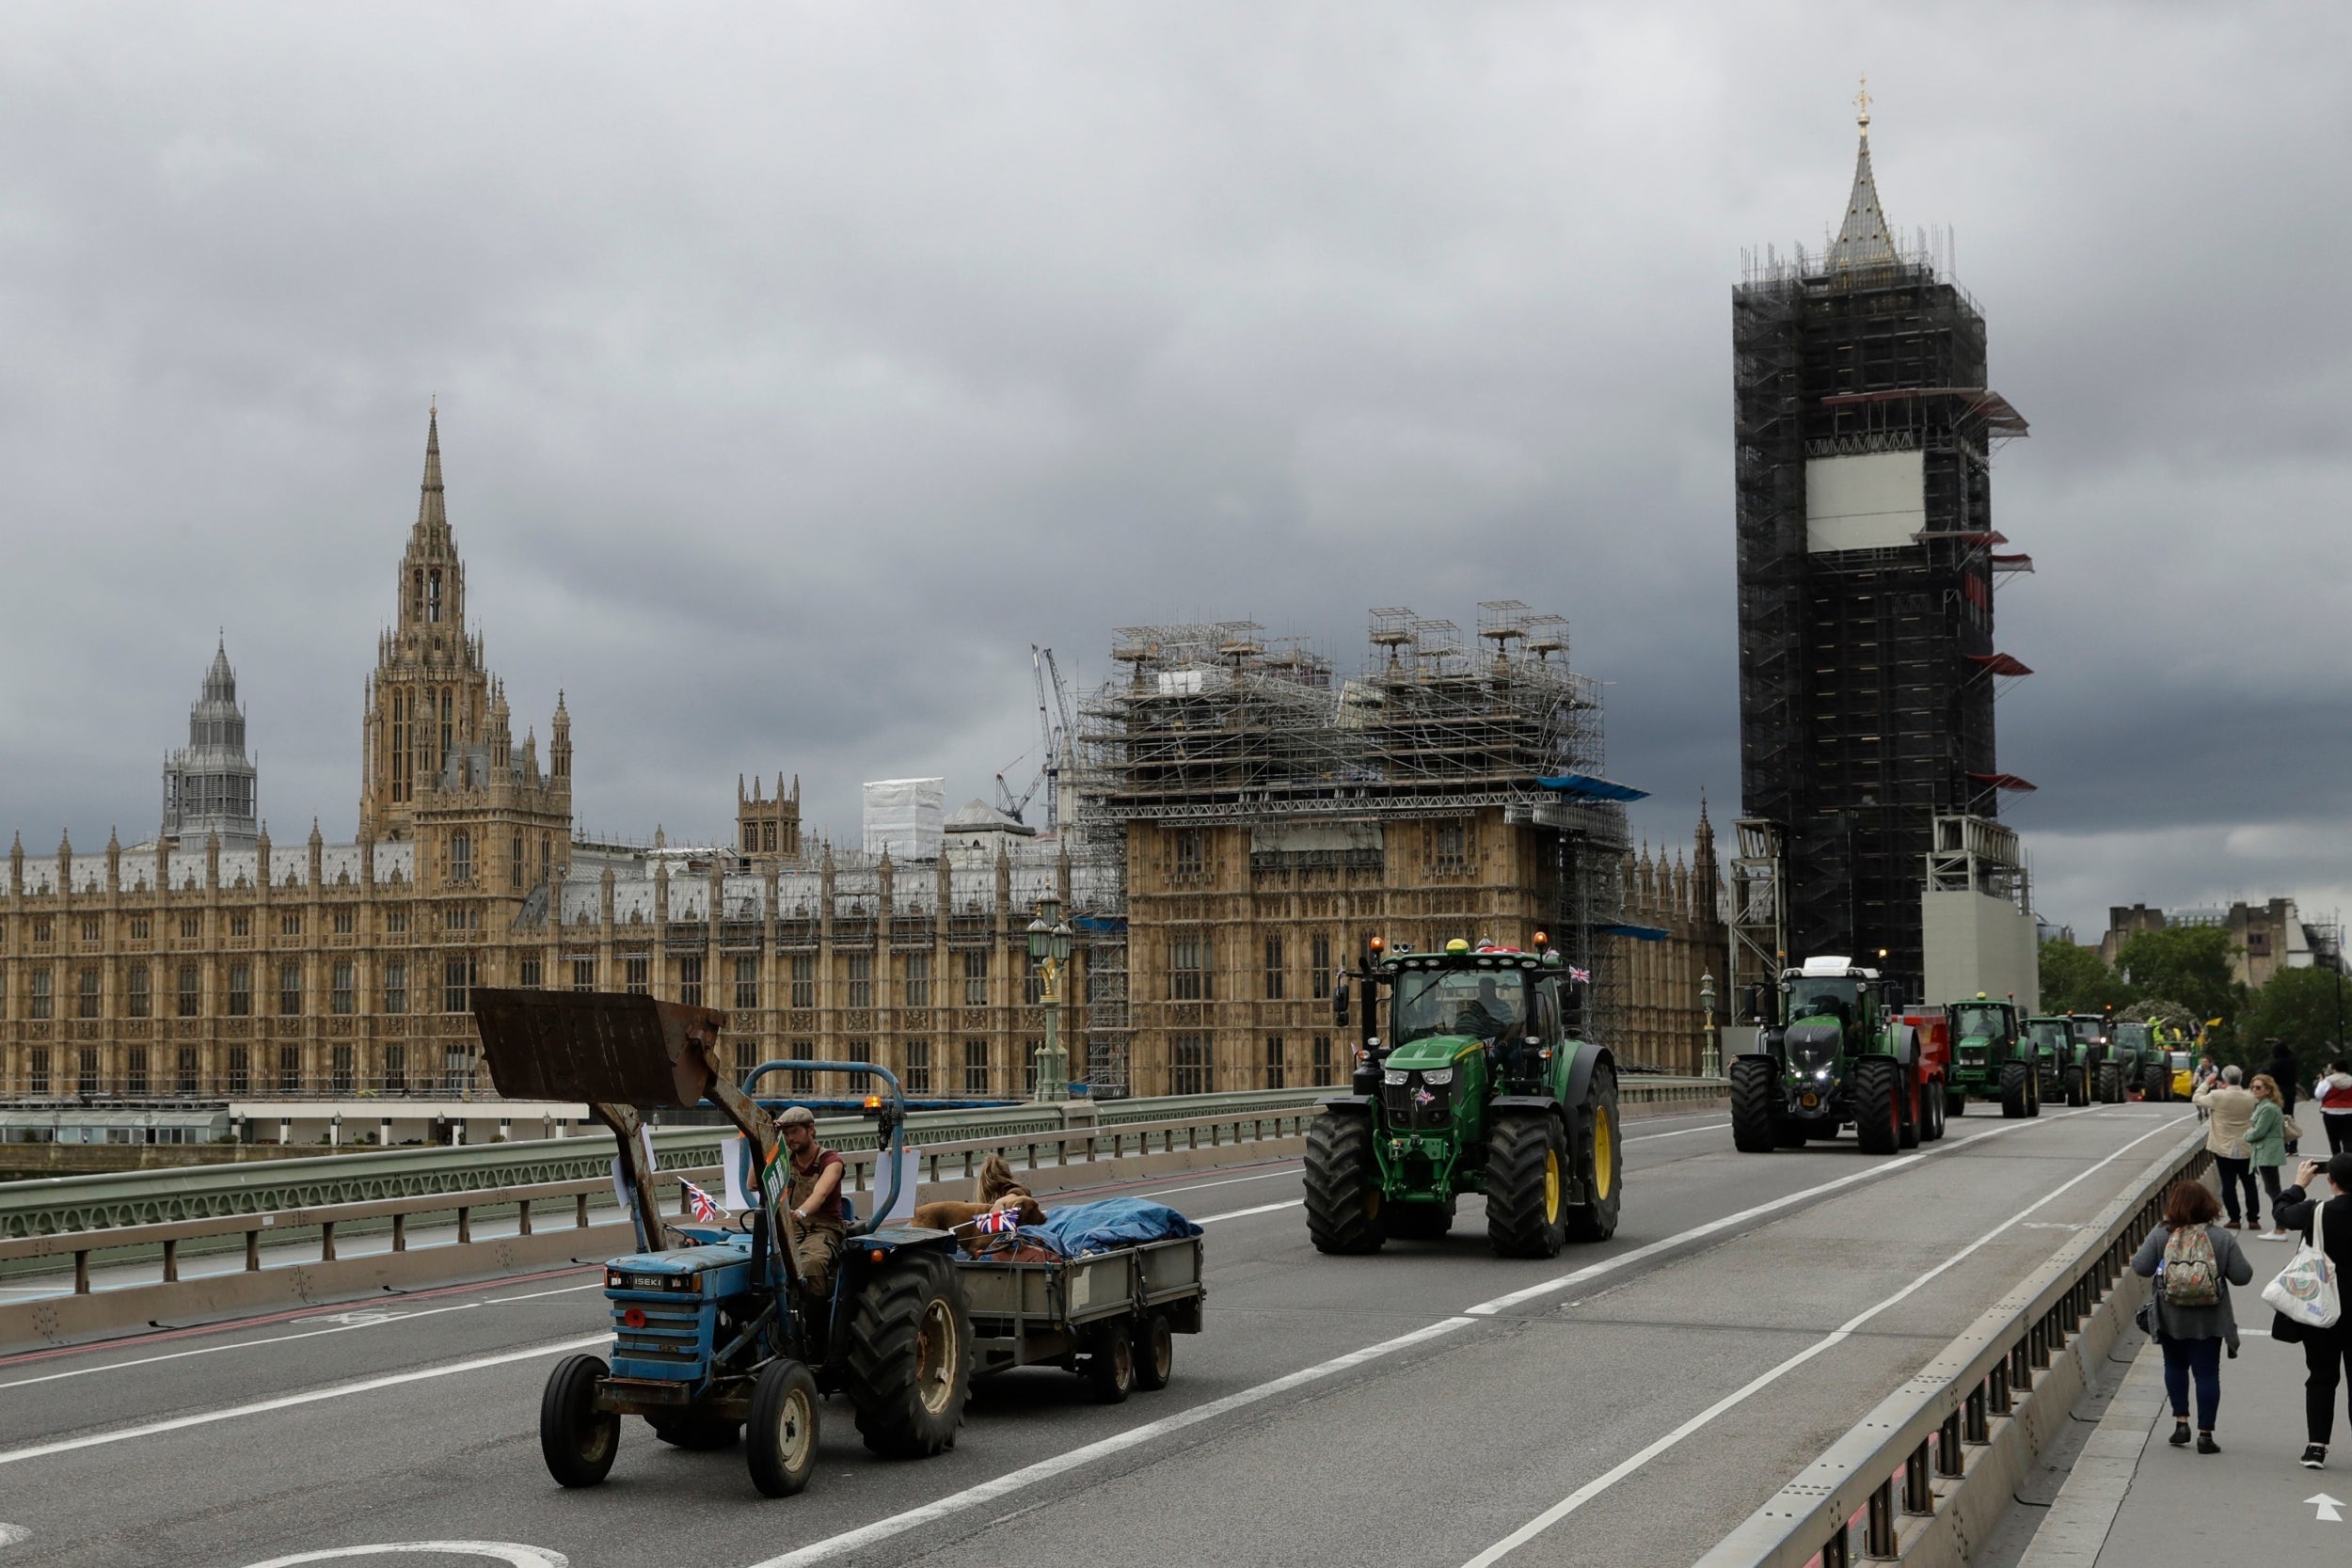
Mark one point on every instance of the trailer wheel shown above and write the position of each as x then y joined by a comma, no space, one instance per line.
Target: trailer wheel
1343,1177
1934,1104
783,1428
578,1440
1755,1105
699,1433
1908,1134
1111,1363
2111,1082
1526,1187
908,1369
1155,1357
1876,1104
2013,1090
1600,1157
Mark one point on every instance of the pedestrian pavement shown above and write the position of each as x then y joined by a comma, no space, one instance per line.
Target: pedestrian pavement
2135,1501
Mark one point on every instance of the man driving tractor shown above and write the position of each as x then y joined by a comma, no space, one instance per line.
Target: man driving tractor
815,1223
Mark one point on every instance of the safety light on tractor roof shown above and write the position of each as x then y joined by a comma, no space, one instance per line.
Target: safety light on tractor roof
1379,945
1543,940
1457,945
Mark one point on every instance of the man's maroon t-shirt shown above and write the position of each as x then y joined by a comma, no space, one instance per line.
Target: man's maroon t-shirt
804,1182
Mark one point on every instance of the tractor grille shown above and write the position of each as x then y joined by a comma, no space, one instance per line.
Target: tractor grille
1409,1112
672,1335
1812,1046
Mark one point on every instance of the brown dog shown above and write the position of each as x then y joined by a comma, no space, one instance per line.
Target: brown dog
996,1191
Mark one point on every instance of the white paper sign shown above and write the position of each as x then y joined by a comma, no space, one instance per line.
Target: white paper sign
735,1155
620,1194
910,1175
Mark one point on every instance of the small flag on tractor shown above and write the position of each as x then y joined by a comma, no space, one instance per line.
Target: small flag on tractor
997,1222
706,1207
1580,976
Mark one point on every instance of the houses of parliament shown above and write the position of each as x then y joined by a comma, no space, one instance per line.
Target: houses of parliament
211,963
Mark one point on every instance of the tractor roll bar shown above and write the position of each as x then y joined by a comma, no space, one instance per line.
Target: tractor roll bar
894,1117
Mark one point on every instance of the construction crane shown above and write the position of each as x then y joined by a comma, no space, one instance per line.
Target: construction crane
1053,730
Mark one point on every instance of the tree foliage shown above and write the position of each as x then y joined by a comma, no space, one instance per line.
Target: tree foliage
2299,1006
2075,980
2187,964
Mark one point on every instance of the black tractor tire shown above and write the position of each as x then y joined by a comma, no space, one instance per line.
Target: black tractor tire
1417,1222
908,1363
1913,1114
1110,1366
578,1440
1600,1160
2157,1083
1876,1083
2110,1082
1955,1103
783,1449
2033,1092
2077,1086
1343,1177
2016,1089
1933,1104
701,1434
1155,1353
1755,1105
1527,1179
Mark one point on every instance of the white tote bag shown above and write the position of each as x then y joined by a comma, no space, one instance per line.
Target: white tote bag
2305,1291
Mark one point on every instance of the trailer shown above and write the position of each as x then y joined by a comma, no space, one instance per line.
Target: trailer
1111,1317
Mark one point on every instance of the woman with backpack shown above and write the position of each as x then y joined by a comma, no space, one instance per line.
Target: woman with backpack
2266,1146
2194,1262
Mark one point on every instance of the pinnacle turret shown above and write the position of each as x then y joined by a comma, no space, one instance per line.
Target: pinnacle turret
1864,239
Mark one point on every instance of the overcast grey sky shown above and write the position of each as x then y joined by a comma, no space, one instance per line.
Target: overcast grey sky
801,365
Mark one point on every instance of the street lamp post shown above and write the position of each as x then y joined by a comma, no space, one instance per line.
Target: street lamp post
1711,1060
1049,945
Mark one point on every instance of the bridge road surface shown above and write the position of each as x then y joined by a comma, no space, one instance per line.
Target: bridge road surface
1459,1415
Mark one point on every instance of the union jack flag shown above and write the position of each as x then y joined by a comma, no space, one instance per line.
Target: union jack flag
1423,1097
998,1222
705,1207
1580,976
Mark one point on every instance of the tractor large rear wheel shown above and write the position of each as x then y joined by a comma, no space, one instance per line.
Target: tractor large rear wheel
1600,1160
1878,1090
2110,1083
1343,1180
578,1440
1526,1187
1754,1104
909,1365
783,1449
2015,1090
2157,1083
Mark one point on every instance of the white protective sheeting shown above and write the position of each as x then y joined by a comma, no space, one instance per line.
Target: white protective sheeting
904,818
1868,501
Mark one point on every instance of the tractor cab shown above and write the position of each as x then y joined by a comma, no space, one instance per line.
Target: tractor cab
1984,1031
1831,1009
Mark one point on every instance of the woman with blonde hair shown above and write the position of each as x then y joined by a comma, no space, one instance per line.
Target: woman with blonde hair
2266,1147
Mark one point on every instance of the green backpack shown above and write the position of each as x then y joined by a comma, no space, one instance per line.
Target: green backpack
2192,1275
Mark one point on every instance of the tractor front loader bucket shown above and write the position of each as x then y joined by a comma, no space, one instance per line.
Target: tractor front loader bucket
622,1055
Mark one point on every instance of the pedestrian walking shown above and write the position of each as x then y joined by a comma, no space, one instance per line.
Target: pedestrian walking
2232,1113
2206,1072
2286,1073
2327,1352
2266,1148
2193,1264
2334,1092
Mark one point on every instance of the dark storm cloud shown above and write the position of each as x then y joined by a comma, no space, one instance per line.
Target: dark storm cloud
800,366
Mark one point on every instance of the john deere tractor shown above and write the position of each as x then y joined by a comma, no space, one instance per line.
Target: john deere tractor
1991,1059
1474,1085
2104,1071
1837,1060
2142,1061
2062,1078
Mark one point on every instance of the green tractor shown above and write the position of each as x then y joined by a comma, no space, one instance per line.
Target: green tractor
1992,1060
1478,1088
2062,1078
2105,1072
2144,1061
1839,1058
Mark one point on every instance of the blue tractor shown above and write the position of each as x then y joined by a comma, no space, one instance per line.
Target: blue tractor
716,1339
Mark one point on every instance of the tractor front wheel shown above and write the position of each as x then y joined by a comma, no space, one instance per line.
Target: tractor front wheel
1342,1178
1878,1092
2110,1083
1526,1187
2157,1083
1955,1103
1754,1104
1601,1156
909,1365
783,1428
2077,1087
2015,1090
578,1440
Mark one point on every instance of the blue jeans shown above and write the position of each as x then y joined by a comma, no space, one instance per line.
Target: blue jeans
2203,1357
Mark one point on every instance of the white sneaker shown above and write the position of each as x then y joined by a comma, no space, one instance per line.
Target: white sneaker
2275,1236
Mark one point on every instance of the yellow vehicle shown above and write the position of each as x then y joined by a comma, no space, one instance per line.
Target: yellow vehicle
2184,1073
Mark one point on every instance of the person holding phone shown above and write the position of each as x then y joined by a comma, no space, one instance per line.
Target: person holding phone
2327,1352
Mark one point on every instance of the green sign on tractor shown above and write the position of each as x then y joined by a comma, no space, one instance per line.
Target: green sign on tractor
1471,1083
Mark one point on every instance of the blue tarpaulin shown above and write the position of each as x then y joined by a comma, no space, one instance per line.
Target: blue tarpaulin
1586,788
1114,1222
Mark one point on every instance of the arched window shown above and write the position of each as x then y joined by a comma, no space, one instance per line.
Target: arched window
433,596
461,857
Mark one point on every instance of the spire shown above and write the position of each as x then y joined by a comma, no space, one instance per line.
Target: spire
221,682
432,510
1863,240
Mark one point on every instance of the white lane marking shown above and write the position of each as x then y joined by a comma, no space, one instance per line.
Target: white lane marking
1844,1331
1288,1168
1044,1469
14,1535
287,1401
595,1284
989,1491
241,1344
1261,1209
497,1551
1728,1222
1653,1137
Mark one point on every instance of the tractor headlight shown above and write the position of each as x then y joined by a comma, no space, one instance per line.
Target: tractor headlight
1821,1073
1394,1075
1438,1076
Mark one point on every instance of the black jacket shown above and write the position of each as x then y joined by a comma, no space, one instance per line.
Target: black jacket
2295,1211
2282,1070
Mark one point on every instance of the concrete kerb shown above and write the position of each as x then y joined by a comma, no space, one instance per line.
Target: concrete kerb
2074,1530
